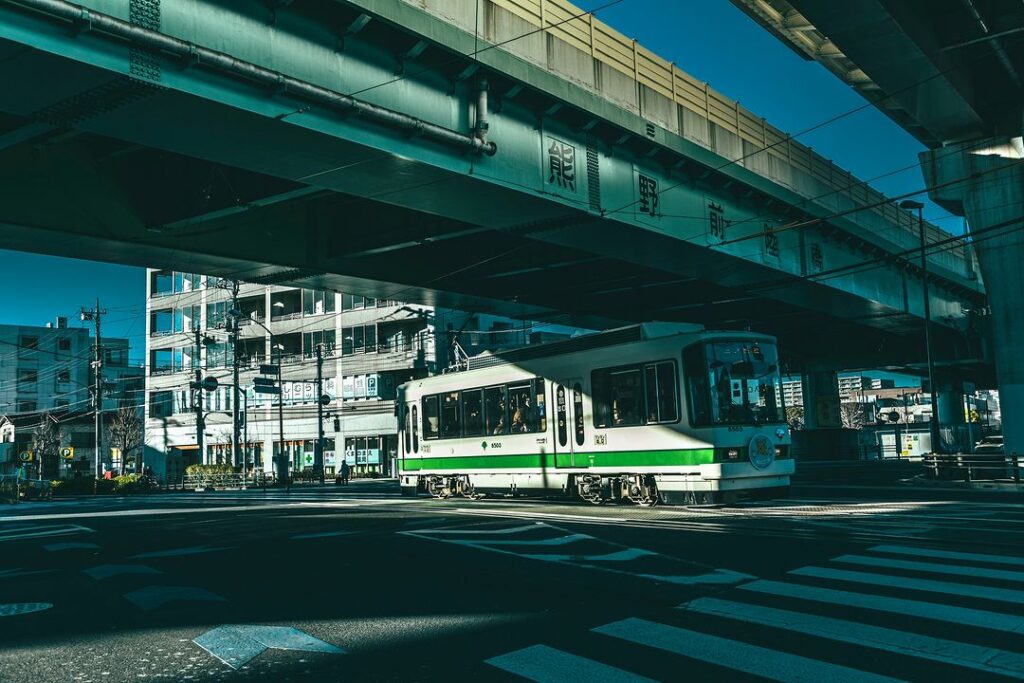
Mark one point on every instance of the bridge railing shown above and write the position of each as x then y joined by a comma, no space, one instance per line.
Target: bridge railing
704,115
975,467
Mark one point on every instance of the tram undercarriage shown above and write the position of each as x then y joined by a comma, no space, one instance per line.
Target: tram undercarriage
598,489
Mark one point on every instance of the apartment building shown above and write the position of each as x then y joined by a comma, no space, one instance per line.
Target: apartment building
851,388
48,370
369,347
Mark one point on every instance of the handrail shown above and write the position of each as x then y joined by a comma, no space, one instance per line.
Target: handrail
974,466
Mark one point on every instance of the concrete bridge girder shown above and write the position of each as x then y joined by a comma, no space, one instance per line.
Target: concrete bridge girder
617,204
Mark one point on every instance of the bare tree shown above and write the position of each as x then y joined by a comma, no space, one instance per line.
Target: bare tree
126,433
852,415
795,417
46,442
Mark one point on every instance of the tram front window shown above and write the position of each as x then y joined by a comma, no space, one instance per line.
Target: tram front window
734,383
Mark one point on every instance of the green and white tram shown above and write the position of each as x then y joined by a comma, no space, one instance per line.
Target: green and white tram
651,413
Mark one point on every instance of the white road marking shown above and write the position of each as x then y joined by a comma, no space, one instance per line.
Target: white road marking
181,552
59,547
736,655
909,583
488,532
929,610
547,665
616,553
981,658
11,573
151,597
105,571
18,608
931,567
948,554
24,532
321,534
529,515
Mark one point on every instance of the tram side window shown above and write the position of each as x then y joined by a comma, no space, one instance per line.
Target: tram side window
495,418
618,396
563,434
431,417
630,396
415,432
577,408
408,432
526,407
473,412
451,417
660,387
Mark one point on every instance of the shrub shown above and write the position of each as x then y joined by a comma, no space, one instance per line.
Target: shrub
81,486
210,469
129,483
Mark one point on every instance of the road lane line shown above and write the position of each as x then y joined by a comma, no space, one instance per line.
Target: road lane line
978,657
915,608
547,665
969,590
736,655
931,567
948,554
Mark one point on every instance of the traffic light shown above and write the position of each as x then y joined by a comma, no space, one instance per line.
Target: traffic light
337,424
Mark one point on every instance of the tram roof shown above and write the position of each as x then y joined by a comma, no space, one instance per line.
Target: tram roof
585,342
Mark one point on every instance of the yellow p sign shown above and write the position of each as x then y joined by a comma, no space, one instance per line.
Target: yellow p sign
67,452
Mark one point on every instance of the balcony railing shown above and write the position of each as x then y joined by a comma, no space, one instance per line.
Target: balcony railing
286,316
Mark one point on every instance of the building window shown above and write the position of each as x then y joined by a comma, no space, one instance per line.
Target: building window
310,340
161,322
27,380
217,314
162,283
61,403
316,302
360,339
63,343
161,403
26,406
63,376
28,345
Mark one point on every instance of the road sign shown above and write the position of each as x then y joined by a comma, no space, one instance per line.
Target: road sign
261,389
269,369
26,456
325,400
67,452
210,383
237,645
264,381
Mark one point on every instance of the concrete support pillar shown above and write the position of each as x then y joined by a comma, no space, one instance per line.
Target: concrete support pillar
821,400
952,422
985,183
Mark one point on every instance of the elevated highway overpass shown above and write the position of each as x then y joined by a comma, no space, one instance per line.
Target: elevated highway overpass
543,166
951,72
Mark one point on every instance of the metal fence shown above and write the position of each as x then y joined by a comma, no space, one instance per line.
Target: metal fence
14,488
9,485
226,481
974,467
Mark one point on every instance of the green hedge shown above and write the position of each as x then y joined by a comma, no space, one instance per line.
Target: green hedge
210,469
82,486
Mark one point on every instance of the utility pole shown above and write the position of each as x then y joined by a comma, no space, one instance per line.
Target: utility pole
282,466
236,427
318,457
95,314
198,394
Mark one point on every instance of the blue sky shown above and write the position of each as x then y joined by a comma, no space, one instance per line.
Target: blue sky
710,39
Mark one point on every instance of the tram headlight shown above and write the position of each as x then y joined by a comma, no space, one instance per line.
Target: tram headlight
732,453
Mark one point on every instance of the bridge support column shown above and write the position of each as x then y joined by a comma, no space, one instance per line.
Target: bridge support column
952,424
821,400
985,183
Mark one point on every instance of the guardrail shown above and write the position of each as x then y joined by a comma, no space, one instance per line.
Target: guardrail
237,480
974,466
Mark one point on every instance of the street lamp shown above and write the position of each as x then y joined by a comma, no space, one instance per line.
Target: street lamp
933,423
236,313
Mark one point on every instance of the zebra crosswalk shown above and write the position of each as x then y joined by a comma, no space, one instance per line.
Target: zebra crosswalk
942,614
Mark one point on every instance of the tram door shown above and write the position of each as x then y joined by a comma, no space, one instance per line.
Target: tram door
569,427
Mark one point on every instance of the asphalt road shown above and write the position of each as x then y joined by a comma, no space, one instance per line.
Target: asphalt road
332,584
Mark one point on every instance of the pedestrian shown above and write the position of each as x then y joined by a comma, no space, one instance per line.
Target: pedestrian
344,471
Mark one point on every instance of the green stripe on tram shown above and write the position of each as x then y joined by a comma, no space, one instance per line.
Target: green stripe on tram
673,457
